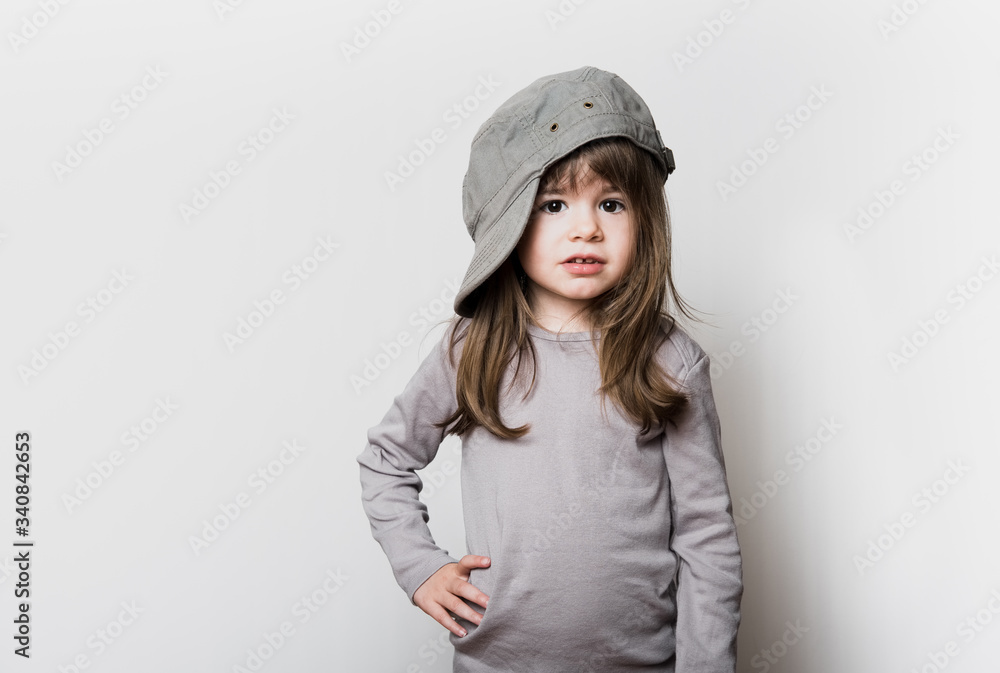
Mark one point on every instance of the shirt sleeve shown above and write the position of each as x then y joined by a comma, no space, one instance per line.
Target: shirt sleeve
406,440
709,575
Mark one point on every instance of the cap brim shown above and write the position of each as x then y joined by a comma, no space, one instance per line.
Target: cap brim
496,245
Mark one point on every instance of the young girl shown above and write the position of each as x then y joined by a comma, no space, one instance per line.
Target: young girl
600,536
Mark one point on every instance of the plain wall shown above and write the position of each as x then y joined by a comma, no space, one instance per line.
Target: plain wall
850,231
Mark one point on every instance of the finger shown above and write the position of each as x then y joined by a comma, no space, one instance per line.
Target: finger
463,610
472,592
442,617
470,562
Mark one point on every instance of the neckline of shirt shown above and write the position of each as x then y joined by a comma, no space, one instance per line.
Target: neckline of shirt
543,333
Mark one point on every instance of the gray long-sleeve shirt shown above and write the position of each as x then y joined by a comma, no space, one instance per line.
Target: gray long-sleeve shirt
611,550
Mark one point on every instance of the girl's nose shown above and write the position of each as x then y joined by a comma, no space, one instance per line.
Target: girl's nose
585,224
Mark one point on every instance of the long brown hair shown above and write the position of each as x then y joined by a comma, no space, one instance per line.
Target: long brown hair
627,316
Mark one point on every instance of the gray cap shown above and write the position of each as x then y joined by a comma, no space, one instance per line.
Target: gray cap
531,130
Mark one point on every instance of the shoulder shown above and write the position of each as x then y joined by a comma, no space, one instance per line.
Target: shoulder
433,382
678,352
437,355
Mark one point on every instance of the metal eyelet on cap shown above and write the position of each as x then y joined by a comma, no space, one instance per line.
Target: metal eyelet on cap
588,105
554,126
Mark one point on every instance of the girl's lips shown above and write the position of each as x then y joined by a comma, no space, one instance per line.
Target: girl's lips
583,269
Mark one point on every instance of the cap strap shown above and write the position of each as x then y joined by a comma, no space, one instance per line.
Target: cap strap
669,157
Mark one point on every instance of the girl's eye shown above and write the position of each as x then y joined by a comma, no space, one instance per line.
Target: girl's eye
609,206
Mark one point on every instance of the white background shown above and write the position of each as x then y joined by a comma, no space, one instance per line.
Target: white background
161,338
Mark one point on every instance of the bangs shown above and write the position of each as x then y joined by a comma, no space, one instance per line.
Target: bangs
616,159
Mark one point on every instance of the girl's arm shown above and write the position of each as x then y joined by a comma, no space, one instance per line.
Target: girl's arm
709,577
404,441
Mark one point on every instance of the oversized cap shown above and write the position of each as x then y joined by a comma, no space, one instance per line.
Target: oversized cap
530,131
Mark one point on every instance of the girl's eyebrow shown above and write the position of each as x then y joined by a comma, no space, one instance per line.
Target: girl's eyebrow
606,188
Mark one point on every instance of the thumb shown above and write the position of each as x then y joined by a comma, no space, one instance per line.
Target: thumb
471,561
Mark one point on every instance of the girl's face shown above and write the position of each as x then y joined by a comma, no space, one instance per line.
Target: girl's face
593,223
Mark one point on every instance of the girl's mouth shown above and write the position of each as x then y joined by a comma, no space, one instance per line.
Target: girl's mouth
583,266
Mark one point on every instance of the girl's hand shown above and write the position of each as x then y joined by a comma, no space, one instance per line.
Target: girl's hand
441,592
